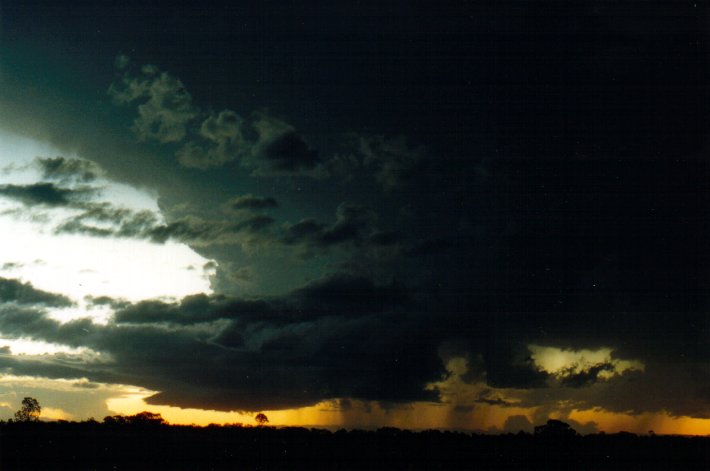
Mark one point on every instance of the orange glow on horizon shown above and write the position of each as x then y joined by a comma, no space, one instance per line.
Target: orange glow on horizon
416,416
661,423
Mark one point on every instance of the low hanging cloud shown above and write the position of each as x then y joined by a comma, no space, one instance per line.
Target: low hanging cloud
103,220
490,398
74,198
67,170
46,194
250,202
267,353
354,225
295,350
16,292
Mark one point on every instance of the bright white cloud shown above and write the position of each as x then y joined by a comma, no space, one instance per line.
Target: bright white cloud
78,265
564,362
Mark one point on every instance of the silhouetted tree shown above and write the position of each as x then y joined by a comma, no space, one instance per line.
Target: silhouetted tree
30,410
140,419
115,420
145,418
555,429
261,418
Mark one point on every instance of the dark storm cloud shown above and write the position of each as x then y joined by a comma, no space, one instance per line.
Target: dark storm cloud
295,350
354,224
341,293
115,304
337,295
289,153
428,247
46,194
392,160
166,110
222,141
566,206
44,368
267,145
250,202
488,397
105,220
281,150
260,354
276,149
15,291
508,365
196,231
67,170
165,106
578,379
676,388
582,255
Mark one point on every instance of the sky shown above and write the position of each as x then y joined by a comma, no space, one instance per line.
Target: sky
461,215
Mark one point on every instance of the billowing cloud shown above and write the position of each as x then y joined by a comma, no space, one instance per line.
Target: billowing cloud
93,215
81,208
265,144
47,194
393,160
328,318
264,354
354,224
250,202
165,106
223,142
68,170
583,367
488,397
15,291
103,220
280,150
552,240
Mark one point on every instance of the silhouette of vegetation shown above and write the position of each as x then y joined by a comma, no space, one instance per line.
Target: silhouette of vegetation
145,441
30,410
261,419
555,429
141,419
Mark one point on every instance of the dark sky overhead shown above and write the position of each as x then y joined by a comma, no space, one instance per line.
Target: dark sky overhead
425,214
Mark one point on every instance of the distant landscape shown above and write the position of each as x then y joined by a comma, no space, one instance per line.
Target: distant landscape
145,442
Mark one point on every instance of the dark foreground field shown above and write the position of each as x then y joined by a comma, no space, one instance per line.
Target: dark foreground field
116,446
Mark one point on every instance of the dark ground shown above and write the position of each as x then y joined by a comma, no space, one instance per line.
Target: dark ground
151,446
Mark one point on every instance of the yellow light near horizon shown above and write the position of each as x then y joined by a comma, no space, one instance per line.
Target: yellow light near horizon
659,422
52,413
